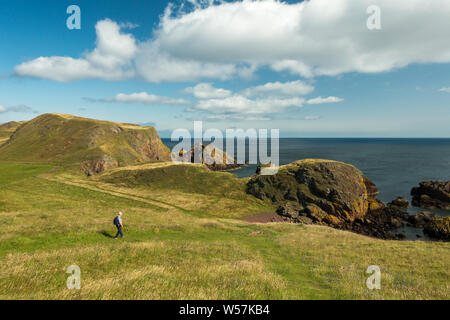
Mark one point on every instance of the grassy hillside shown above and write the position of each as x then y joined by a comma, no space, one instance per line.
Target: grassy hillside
65,139
191,188
7,129
191,178
184,245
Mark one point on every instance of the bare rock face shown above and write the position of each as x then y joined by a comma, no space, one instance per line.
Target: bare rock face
420,220
432,195
329,193
214,158
94,167
372,190
399,202
438,229
375,205
434,226
325,191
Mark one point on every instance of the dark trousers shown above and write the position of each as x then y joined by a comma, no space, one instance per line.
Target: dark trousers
119,232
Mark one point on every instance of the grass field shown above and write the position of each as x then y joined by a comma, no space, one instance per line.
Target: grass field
183,241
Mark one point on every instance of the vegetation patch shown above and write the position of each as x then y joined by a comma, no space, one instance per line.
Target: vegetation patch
189,178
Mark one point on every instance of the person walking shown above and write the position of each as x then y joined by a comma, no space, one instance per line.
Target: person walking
119,225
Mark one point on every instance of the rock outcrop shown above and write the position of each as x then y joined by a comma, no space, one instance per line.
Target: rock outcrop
434,226
214,158
438,229
329,193
375,205
266,169
380,224
432,195
323,190
421,219
98,166
399,202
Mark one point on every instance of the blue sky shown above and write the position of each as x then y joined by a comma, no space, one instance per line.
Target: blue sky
321,78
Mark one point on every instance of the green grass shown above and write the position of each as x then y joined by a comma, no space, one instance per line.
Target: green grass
171,253
185,178
14,172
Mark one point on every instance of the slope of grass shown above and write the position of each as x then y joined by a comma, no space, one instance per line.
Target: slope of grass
191,178
14,172
7,129
169,253
191,188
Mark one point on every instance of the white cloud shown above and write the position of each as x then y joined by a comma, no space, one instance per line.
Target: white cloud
222,40
238,104
144,97
110,60
128,25
293,88
234,117
19,109
154,65
320,100
253,103
294,67
207,91
316,37
311,118
445,89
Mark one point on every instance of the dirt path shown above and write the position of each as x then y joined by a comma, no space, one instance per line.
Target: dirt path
266,217
117,194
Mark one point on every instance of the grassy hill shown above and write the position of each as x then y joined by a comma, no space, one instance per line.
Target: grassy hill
184,245
191,178
7,129
98,145
192,188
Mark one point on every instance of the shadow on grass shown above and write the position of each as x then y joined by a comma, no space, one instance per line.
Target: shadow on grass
106,234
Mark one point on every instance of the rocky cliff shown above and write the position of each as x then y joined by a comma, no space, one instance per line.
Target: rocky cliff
329,193
432,194
438,229
321,189
214,158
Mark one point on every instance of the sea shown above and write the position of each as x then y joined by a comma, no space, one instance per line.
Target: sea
395,165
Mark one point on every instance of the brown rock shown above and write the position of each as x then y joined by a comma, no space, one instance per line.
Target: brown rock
432,194
371,188
438,229
214,158
399,202
328,193
322,187
421,219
